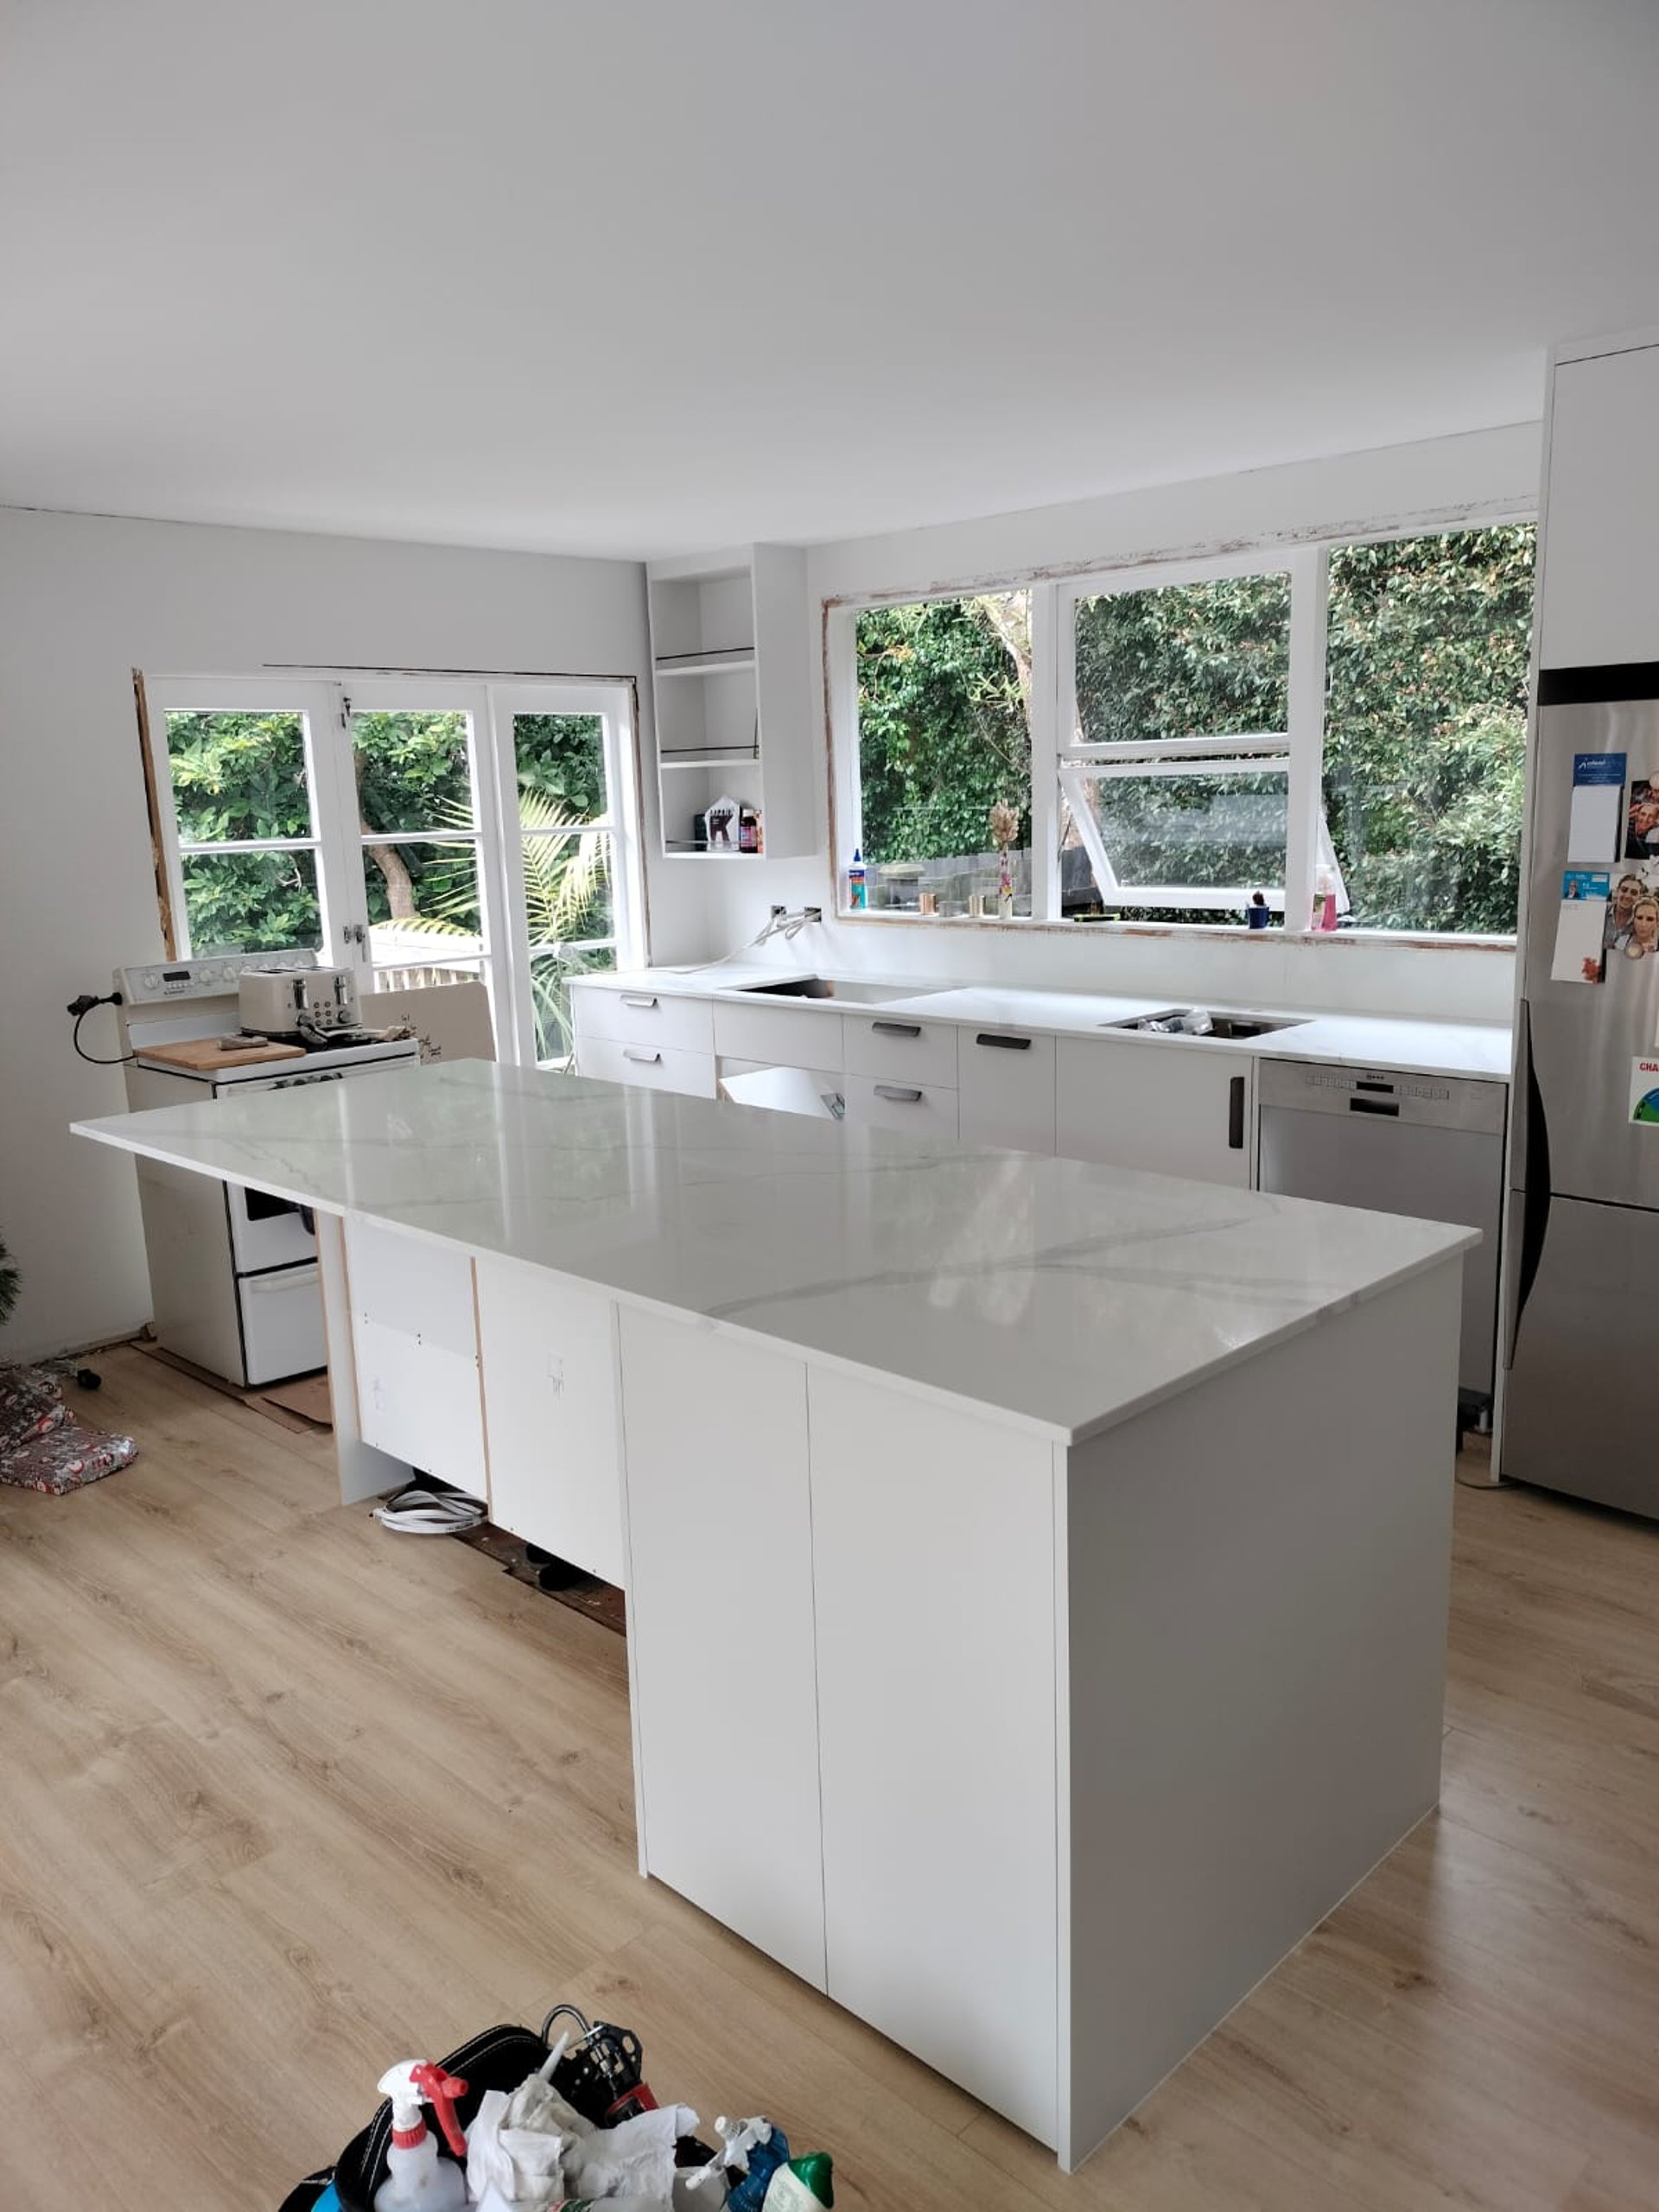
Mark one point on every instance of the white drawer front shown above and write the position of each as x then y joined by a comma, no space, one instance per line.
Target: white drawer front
684,1025
1006,1089
281,1324
778,1036
924,1109
895,1049
655,1067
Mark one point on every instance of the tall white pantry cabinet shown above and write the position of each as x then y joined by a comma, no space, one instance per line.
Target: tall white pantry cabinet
1036,1753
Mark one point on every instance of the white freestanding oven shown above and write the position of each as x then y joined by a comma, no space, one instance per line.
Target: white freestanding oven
232,1272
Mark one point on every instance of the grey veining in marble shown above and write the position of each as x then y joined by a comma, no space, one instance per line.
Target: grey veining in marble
1058,1296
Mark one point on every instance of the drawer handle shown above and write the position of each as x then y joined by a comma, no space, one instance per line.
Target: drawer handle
1236,1114
898,1094
1388,1106
896,1028
634,998
644,1059
1003,1043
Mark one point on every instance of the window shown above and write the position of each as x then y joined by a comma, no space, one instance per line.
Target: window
944,734
567,856
1426,727
244,855
1178,745
1173,761
417,830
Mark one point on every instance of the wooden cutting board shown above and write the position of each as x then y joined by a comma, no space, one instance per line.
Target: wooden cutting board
201,1054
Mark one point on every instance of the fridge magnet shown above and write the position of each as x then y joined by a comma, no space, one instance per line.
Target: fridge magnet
1641,940
1644,1093
1581,927
1628,887
1642,820
1593,821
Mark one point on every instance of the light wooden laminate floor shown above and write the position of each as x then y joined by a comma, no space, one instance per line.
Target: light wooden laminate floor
287,1798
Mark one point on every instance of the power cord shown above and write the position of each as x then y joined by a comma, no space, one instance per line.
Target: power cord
81,1008
780,923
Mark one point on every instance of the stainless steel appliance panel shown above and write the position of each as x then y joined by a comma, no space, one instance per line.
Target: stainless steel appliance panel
1579,1410
1430,1147
1584,1037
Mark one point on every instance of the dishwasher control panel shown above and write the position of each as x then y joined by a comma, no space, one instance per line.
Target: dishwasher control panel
1438,1102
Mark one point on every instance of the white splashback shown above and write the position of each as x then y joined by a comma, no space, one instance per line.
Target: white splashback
1345,971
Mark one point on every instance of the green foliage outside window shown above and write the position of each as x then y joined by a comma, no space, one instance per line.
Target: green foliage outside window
1426,727
1425,741
942,725
240,777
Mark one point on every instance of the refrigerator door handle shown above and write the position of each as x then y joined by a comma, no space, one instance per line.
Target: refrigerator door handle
1534,1199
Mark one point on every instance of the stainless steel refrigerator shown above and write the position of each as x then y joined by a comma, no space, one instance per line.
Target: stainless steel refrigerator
1581,1410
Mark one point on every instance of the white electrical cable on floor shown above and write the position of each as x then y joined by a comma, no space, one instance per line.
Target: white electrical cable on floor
420,1512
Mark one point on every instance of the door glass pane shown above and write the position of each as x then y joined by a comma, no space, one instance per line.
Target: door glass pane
413,771
551,968
568,887
237,777
421,896
250,902
561,766
1209,659
1204,829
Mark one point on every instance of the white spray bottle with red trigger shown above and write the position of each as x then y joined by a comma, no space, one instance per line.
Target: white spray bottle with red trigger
417,2179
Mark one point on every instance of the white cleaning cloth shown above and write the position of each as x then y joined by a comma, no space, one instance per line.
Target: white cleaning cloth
635,2159
518,2169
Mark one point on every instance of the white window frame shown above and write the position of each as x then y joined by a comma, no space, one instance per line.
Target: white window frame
1298,746
328,701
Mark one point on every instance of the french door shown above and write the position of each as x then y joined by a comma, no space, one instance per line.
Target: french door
415,829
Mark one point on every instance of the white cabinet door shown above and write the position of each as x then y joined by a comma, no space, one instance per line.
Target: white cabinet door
921,1109
778,1036
894,1049
1172,1109
652,1067
719,1630
1600,598
655,1018
933,1553
415,1340
1006,1082
546,1353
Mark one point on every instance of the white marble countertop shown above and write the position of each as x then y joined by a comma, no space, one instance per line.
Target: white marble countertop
1058,1296
1381,1041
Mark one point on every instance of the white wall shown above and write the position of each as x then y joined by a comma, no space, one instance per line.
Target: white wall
83,601
1437,484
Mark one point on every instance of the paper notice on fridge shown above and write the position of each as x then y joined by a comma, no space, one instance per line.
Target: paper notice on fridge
1581,929
1593,823
1644,1093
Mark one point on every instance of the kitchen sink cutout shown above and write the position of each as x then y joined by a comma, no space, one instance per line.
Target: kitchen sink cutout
1196,1022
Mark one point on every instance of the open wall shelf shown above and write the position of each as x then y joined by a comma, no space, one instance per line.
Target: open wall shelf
729,640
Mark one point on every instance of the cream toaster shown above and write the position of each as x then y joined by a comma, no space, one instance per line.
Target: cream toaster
288,1001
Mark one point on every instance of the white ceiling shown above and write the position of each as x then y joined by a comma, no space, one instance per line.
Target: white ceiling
639,275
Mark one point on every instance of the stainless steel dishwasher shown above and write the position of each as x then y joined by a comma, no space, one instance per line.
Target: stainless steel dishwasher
1431,1146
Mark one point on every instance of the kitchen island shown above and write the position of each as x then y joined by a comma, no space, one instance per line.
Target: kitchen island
1037,1572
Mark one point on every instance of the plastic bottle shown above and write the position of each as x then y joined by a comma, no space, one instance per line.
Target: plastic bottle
418,2180
803,2185
857,885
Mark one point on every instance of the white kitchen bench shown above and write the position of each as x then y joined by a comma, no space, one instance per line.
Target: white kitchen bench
1036,1571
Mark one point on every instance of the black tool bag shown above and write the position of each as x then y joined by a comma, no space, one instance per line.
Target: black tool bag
499,2059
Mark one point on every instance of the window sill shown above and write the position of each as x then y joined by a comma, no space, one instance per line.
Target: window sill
1426,940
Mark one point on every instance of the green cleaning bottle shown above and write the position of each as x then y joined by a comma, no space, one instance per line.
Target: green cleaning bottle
804,2185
